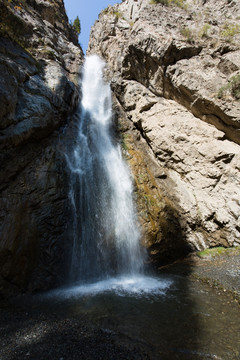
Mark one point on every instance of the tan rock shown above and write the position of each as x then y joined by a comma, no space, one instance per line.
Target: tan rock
167,69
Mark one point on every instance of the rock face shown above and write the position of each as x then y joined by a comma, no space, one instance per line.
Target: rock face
175,76
39,65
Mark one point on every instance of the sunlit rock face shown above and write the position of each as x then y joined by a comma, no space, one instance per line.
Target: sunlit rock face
172,72
39,65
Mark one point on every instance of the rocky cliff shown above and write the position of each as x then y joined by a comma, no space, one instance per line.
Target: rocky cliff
175,74
174,67
39,65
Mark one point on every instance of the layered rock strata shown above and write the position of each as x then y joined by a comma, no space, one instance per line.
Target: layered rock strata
39,65
175,75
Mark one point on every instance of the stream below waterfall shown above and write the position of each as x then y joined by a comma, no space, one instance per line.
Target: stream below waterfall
169,316
184,320
113,307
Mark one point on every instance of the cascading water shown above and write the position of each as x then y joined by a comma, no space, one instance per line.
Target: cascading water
106,247
109,288
106,232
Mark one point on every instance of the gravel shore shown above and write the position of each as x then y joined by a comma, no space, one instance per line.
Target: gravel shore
40,335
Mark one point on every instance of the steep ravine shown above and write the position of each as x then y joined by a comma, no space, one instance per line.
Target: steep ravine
176,113
39,64
175,77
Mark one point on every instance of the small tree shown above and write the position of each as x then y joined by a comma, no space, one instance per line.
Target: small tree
76,25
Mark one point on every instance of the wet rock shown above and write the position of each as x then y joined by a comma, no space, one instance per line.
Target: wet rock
39,63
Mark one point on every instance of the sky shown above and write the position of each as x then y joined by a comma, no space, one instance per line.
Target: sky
87,11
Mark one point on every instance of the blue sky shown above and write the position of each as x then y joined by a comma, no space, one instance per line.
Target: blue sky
87,11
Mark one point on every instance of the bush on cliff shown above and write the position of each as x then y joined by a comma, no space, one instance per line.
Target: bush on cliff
179,3
232,88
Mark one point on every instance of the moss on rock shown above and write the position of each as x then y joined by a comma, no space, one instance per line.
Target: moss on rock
218,251
162,233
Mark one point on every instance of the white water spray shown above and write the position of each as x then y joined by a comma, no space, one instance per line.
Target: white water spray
106,252
106,231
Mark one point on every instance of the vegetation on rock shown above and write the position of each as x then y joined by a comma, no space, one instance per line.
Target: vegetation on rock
187,34
217,251
110,11
229,31
180,3
232,88
13,26
204,32
158,214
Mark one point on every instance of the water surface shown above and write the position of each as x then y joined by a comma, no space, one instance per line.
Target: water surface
166,317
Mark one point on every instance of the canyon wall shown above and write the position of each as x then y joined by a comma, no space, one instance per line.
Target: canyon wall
39,64
175,74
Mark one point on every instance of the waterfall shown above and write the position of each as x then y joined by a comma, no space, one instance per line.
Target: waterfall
105,229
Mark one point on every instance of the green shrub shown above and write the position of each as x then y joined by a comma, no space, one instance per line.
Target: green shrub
163,2
187,33
204,31
235,83
118,14
179,3
233,88
229,31
110,11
